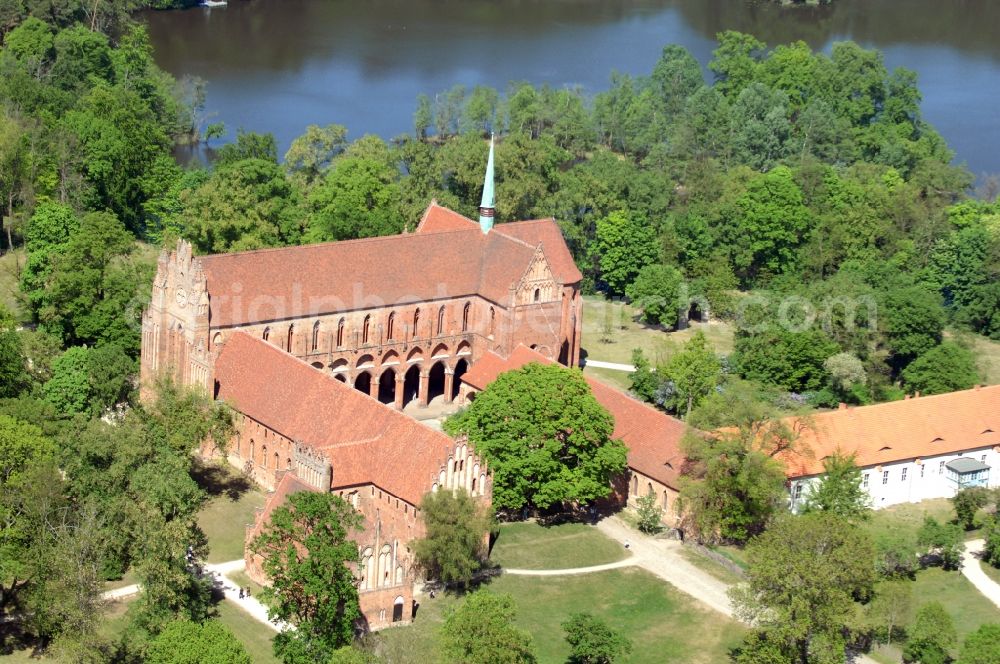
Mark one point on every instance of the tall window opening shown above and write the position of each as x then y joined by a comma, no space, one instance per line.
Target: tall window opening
493,320
340,333
416,323
440,327
315,339
366,329
267,334
465,316
390,326
291,338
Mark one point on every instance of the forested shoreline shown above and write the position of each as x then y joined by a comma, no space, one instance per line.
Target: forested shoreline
794,174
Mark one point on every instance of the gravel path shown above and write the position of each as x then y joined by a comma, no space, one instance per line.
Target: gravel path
972,570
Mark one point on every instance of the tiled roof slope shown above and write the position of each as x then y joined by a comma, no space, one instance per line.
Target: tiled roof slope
448,257
909,429
287,485
652,437
365,441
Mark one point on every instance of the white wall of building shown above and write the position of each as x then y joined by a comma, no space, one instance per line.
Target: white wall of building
907,481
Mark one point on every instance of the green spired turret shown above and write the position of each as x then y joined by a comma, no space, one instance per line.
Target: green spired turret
486,209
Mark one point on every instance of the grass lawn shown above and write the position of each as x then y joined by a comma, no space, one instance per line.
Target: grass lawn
229,509
529,545
910,516
655,342
734,553
990,570
663,624
986,350
241,579
128,578
616,379
706,564
254,636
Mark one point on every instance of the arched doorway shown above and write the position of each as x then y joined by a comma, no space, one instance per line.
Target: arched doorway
411,384
397,610
363,383
695,314
460,368
387,386
435,386
564,354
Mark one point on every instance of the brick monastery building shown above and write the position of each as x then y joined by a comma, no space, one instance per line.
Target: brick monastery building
319,349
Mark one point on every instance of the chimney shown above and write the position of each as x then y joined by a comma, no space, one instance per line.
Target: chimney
842,406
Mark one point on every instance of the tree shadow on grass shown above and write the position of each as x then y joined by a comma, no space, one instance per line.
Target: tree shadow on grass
217,479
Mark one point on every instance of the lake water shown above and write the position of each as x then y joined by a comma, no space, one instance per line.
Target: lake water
279,65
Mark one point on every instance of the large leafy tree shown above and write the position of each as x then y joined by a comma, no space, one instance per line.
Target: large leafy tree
932,636
624,244
730,489
982,646
656,291
185,642
913,320
358,197
805,577
593,642
453,549
839,490
695,371
790,360
482,629
308,555
944,368
545,436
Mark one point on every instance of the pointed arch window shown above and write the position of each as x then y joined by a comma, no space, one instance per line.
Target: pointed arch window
340,333
390,326
538,294
440,327
465,316
416,323
315,339
263,457
493,320
266,335
291,338
366,329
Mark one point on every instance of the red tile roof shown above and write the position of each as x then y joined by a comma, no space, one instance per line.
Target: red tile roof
365,440
652,437
913,428
448,257
287,485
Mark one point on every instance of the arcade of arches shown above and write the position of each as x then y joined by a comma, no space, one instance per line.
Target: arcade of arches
418,381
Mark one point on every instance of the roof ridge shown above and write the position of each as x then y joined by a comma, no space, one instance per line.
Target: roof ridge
907,399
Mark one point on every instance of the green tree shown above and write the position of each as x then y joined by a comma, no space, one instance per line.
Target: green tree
890,610
27,474
593,642
244,204
736,62
308,555
545,436
89,380
847,375
730,489
423,117
982,646
695,372
358,198
185,642
248,145
482,629
766,226
453,549
968,501
944,540
932,636
839,490
896,554
649,513
623,245
991,551
642,382
805,576
656,291
912,319
13,363
790,360
311,154
944,368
